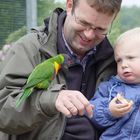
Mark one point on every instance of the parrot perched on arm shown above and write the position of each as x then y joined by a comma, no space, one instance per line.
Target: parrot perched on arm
41,76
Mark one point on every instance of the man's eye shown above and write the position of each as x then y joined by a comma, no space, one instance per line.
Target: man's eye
100,30
83,23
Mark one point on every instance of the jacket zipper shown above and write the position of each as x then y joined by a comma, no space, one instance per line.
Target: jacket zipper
131,136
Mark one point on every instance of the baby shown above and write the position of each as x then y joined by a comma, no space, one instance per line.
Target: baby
117,101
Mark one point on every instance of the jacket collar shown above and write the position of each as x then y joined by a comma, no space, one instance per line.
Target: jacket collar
49,40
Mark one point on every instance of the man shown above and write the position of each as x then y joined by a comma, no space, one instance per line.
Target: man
58,113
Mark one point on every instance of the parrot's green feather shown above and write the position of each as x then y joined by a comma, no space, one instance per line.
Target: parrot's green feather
41,76
25,94
38,75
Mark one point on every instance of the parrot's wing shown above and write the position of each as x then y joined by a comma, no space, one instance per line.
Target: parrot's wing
39,74
40,77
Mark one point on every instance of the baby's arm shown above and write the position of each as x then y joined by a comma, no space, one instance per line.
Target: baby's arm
102,117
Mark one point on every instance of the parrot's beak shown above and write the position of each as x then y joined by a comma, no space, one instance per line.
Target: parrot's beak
57,67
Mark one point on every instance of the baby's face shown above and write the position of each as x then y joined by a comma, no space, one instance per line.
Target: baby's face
127,56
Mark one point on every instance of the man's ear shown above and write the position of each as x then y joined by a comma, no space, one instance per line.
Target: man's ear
69,5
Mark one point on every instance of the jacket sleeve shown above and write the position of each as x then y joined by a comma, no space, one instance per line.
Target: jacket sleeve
39,107
102,117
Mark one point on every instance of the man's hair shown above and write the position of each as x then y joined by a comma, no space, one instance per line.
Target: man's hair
104,6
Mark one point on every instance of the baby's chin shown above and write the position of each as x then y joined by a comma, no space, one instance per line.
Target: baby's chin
132,81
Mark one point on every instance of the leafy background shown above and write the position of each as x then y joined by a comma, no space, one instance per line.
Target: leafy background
13,19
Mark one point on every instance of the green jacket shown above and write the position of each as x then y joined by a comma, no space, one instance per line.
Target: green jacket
37,118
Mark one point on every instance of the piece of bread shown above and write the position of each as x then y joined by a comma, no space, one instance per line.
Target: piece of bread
121,99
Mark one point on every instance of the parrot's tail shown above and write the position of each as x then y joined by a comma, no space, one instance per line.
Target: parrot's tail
25,95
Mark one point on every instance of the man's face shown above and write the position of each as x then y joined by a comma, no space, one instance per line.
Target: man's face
85,27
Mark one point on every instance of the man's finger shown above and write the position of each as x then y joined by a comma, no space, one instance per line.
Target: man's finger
87,106
62,108
71,107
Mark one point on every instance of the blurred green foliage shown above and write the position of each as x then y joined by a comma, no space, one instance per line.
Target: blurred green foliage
14,20
12,17
130,17
14,36
45,7
127,18
115,30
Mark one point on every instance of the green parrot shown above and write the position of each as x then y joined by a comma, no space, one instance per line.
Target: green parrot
41,76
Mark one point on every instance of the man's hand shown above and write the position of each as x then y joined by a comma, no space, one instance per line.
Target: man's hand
119,106
72,102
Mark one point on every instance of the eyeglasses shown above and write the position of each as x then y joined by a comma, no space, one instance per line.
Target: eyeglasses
86,26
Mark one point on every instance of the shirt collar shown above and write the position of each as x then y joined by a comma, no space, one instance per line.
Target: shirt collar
86,58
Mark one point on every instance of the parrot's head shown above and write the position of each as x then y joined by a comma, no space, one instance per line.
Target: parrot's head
59,59
62,60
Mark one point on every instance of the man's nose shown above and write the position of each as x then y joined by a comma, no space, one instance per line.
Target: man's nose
89,34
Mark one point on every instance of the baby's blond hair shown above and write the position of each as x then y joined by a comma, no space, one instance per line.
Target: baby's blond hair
130,34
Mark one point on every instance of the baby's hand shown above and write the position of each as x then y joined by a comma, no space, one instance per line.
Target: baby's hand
119,106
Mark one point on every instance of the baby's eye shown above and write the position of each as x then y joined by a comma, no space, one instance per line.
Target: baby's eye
118,60
131,57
